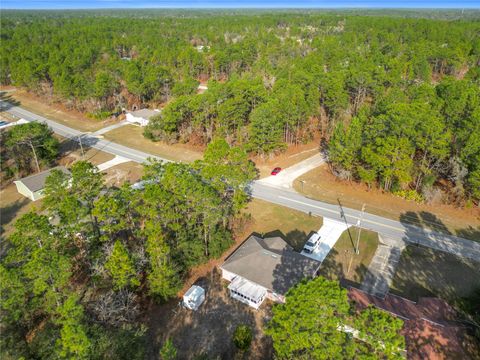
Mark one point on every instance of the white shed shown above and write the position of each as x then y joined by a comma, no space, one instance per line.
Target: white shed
194,297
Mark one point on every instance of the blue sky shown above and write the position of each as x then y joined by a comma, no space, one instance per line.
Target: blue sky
76,4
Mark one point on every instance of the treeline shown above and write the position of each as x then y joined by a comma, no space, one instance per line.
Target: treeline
275,79
75,276
411,140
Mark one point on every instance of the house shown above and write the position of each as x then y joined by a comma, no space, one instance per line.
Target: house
432,328
265,268
141,116
32,186
194,297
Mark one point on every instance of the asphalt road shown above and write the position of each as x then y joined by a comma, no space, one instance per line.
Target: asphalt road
76,135
286,197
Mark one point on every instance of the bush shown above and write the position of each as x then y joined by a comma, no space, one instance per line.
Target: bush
242,337
168,351
411,195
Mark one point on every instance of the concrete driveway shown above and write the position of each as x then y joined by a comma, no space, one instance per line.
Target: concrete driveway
286,177
329,233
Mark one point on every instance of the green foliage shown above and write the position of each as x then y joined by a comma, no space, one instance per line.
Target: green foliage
382,332
168,351
308,325
242,337
30,146
411,195
121,267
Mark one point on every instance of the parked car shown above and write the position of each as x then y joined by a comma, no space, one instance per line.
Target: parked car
312,243
276,171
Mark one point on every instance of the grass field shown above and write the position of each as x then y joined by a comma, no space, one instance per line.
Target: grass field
343,263
322,185
426,272
132,136
275,220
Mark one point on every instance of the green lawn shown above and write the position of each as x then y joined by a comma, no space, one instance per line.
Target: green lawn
275,220
426,272
343,263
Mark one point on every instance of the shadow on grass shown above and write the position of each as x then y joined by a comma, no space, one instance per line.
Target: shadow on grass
10,211
9,101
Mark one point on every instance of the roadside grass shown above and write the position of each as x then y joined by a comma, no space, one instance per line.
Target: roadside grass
274,220
426,272
320,184
132,136
343,263
55,112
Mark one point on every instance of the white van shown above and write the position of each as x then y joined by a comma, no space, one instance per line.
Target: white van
312,243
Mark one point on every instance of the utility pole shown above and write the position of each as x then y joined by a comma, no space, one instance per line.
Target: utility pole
302,182
81,146
357,248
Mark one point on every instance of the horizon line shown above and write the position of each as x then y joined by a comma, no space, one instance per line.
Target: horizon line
366,7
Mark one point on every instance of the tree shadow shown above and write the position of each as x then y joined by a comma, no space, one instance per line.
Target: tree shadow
209,330
10,211
8,101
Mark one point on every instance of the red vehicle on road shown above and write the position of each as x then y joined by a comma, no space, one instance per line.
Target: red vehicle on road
276,171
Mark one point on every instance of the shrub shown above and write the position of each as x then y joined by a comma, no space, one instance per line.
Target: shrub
411,195
242,337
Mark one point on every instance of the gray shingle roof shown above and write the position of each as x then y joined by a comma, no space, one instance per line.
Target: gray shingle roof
36,182
144,113
271,263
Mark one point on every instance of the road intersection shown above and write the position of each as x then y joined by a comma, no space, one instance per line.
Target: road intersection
281,195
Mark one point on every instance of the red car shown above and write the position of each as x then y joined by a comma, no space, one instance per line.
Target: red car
276,171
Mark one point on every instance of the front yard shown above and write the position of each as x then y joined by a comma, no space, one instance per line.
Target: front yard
343,263
426,272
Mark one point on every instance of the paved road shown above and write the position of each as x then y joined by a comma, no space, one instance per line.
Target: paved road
76,135
389,228
289,198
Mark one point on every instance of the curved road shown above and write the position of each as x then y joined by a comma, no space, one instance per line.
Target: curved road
282,196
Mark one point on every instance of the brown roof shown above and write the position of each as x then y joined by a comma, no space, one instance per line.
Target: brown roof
36,182
271,263
431,327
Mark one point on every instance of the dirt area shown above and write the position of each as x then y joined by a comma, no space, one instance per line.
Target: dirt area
291,156
119,174
322,185
132,136
71,155
209,330
426,272
343,264
13,205
55,111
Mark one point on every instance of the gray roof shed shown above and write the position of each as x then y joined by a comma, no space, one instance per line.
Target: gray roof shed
36,182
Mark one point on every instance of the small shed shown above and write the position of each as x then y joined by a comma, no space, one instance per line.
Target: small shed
194,297
32,186
141,117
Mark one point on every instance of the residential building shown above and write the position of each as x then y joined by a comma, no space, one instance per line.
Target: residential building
265,268
32,186
141,117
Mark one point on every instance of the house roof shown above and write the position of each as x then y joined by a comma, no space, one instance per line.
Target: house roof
431,327
144,113
36,182
271,263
